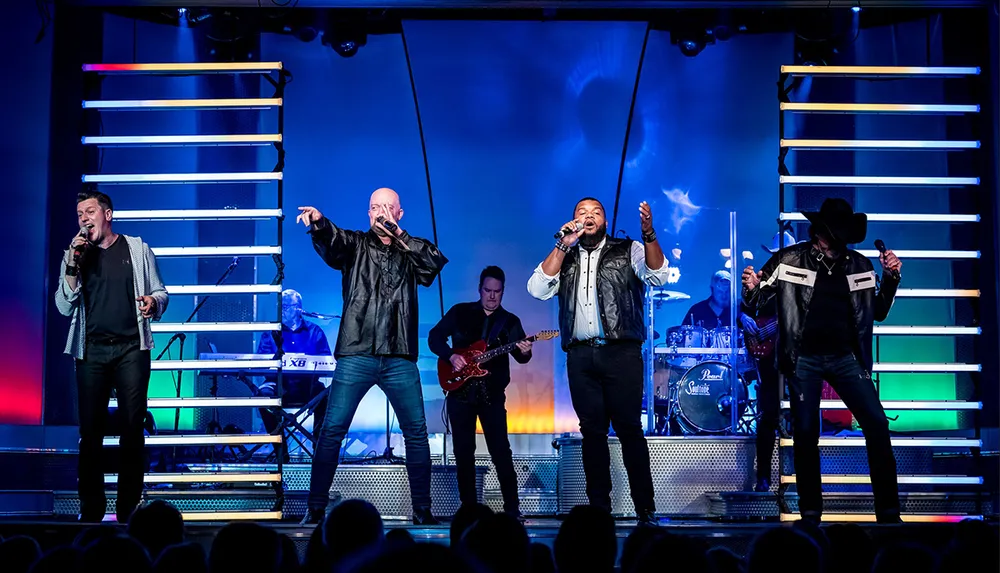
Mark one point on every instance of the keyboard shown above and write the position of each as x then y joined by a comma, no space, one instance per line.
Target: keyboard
290,362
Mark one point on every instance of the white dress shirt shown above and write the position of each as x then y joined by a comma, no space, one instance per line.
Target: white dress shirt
587,324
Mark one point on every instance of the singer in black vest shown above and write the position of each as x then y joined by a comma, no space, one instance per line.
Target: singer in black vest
600,281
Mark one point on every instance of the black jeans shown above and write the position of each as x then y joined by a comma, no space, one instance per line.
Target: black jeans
605,385
462,415
854,386
769,408
122,366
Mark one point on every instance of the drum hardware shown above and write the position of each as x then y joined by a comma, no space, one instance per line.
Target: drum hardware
698,400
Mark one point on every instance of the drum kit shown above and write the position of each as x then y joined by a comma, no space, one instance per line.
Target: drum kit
693,380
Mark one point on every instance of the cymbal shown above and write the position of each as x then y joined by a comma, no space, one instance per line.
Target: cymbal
669,296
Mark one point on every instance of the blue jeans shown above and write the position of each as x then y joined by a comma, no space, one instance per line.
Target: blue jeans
354,376
854,386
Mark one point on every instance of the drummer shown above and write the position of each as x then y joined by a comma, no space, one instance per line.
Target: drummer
713,312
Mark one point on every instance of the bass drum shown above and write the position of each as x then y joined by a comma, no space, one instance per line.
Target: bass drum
704,398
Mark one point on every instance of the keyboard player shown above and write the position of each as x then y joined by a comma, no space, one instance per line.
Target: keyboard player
298,336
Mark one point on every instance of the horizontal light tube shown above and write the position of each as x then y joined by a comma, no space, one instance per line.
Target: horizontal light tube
224,402
853,180
204,477
937,293
189,516
207,365
899,442
902,480
704,350
215,251
190,104
223,289
204,439
214,326
173,68
862,71
928,330
926,367
900,218
902,405
918,254
195,214
887,144
870,517
247,177
175,140
879,107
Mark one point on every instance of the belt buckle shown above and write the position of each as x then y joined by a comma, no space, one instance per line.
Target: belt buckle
598,342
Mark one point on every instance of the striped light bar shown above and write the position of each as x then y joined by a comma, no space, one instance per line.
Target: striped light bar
174,68
188,104
204,477
898,442
937,293
902,480
870,517
897,218
879,108
696,350
928,330
886,144
206,402
927,254
223,289
196,214
926,367
175,140
876,71
123,178
215,251
861,180
189,516
215,364
204,439
902,405
214,326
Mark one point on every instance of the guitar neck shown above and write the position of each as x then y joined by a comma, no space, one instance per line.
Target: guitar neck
501,350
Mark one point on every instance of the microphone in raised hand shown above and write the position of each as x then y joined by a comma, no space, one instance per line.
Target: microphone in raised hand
880,245
80,247
569,230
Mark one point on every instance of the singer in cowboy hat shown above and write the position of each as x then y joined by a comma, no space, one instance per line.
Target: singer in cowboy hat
828,298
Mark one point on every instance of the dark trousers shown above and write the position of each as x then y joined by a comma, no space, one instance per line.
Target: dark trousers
400,380
462,415
854,386
605,385
121,366
769,408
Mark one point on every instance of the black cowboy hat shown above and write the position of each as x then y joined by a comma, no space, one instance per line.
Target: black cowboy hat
837,218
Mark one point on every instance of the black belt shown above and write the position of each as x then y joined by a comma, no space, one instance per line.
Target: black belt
592,342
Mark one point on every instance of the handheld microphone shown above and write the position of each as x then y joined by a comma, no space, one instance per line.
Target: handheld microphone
880,245
84,232
567,230
389,225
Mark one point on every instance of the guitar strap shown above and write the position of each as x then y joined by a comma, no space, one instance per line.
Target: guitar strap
498,325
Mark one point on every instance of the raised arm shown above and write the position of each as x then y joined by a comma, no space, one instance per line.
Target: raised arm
334,245
426,258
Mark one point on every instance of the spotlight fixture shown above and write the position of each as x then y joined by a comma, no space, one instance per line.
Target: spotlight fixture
346,33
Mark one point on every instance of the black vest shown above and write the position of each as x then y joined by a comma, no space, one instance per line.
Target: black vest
619,293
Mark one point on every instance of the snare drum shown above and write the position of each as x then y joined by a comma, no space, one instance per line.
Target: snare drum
687,336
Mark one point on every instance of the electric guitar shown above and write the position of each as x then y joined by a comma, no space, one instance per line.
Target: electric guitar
761,345
475,355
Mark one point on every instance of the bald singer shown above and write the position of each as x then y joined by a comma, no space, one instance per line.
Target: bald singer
377,342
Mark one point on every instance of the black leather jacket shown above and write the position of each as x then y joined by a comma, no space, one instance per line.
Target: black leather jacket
789,276
379,288
619,293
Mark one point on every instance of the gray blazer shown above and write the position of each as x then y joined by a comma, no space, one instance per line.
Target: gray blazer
145,277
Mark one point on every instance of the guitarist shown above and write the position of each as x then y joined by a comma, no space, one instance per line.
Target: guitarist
467,323
769,383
